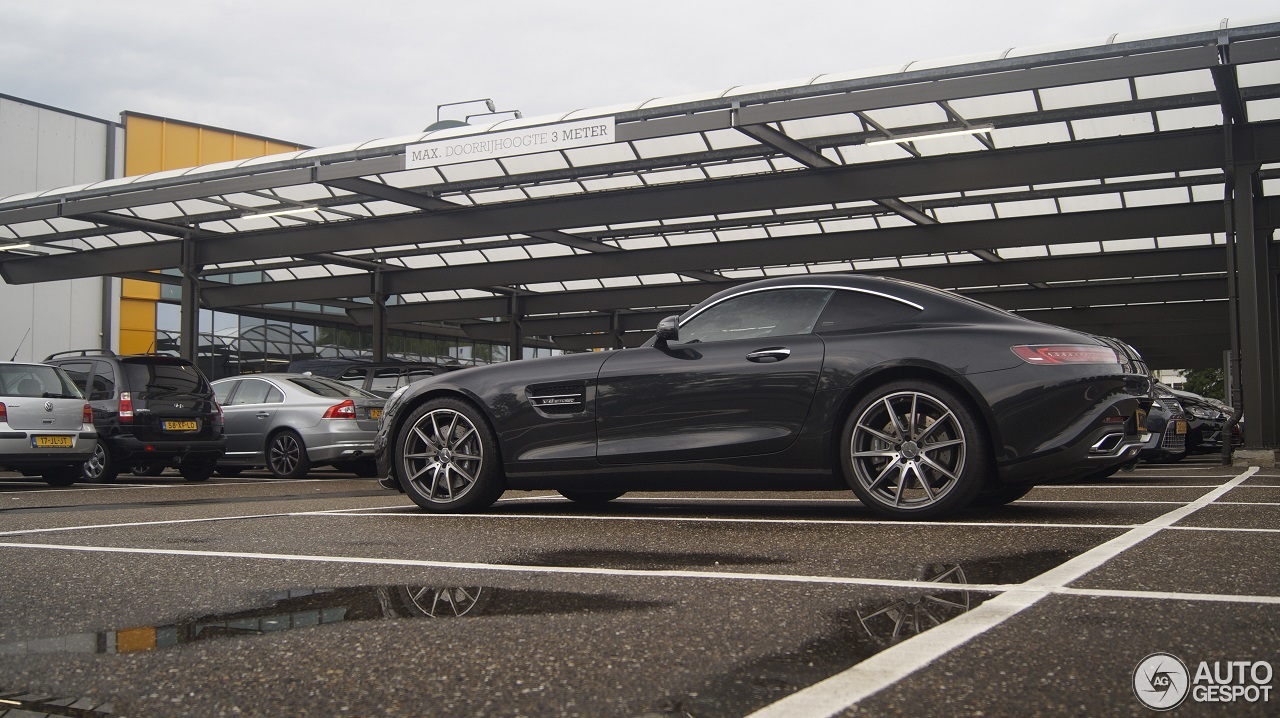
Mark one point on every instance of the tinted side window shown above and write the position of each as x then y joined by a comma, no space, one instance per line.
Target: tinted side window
251,391
79,373
849,311
353,377
385,380
771,313
223,390
104,382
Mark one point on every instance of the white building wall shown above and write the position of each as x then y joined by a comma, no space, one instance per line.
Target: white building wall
44,148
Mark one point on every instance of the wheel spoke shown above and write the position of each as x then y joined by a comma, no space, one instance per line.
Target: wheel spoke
938,467
902,483
453,425
879,435
911,423
883,475
885,454
897,420
924,483
940,421
941,445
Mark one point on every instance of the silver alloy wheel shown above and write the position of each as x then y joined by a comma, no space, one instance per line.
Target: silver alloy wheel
908,450
285,453
443,455
97,464
444,602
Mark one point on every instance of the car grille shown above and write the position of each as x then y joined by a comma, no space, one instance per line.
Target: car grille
1173,441
559,399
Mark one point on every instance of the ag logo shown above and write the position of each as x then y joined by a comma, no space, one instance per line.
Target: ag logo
1161,681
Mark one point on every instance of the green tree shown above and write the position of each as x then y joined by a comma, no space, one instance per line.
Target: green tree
1205,382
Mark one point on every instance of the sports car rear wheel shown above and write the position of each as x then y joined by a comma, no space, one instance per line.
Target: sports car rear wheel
448,457
914,449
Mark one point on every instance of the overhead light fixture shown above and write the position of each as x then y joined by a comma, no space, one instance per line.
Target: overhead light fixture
917,136
279,212
20,245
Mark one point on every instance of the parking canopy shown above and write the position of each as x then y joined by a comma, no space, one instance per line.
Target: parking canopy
1081,184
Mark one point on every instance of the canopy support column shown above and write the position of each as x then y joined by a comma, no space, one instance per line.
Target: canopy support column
516,310
189,334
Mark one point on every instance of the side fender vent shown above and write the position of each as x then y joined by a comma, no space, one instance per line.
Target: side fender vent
559,398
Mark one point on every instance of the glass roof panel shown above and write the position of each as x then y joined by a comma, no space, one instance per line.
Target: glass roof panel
949,145
383,209
674,145
472,170
853,224
677,240
1093,93
1022,252
799,228
1146,198
199,206
413,178
157,211
548,249
619,182
1208,193
422,261
1010,103
1189,117
1177,83
503,254
728,139
1263,110
1026,208
1119,125
1255,74
66,224
1128,245
268,159
857,154
539,162
620,281
909,115
684,175
551,190
967,213
1090,202
1189,240
472,256
738,235
601,154
825,126
734,169
501,195
304,192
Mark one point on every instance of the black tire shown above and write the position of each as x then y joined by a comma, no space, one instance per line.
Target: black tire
229,471
102,468
62,475
197,469
365,469
447,458
588,497
1001,496
914,431
287,455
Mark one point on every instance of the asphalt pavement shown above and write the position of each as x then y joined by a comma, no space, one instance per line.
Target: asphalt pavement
329,596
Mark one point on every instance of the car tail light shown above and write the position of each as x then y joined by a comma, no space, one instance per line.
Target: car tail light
4,413
221,419
86,417
126,408
1066,354
345,410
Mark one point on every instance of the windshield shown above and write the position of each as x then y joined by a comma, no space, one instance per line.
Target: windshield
36,380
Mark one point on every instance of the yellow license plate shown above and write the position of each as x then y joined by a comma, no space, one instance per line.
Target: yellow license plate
51,442
1180,427
180,426
375,413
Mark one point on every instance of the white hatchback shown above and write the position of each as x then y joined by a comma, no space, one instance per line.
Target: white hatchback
46,426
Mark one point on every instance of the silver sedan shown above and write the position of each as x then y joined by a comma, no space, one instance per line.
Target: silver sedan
293,422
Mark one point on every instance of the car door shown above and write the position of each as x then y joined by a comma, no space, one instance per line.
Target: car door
247,417
738,382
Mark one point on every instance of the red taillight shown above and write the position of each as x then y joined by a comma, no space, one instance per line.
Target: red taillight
345,410
126,408
4,413
1065,354
219,421
86,417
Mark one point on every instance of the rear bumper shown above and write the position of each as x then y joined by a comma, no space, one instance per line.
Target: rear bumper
130,448
16,451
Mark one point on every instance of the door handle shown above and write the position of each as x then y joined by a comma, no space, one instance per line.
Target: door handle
771,354
263,415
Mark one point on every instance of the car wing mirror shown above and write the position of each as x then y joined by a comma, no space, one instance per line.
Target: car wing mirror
668,331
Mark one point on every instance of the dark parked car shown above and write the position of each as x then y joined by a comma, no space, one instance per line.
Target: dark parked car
150,411
46,428
920,400
381,378
292,422
1205,422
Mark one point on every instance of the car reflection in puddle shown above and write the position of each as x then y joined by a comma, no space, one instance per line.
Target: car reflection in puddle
320,606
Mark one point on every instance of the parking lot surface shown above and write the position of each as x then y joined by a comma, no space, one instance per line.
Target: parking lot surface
329,596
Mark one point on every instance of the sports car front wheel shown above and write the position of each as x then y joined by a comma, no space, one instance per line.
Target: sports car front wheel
914,449
448,457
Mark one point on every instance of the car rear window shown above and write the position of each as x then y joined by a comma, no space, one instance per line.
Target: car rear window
36,380
151,378
327,387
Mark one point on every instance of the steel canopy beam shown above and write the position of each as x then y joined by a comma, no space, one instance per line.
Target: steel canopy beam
1165,152
1202,218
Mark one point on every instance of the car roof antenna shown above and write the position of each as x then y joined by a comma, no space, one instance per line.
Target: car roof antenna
24,338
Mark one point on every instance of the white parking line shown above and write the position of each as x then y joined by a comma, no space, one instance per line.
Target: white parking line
844,690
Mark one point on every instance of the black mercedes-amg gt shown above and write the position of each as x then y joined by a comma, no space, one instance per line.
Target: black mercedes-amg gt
920,400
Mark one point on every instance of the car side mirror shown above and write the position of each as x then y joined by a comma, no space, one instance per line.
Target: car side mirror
668,331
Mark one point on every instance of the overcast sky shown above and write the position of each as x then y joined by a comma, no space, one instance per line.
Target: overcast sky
320,72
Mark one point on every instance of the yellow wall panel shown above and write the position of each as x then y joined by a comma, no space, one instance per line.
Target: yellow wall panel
247,147
136,341
138,289
181,145
275,148
144,148
216,146
137,314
